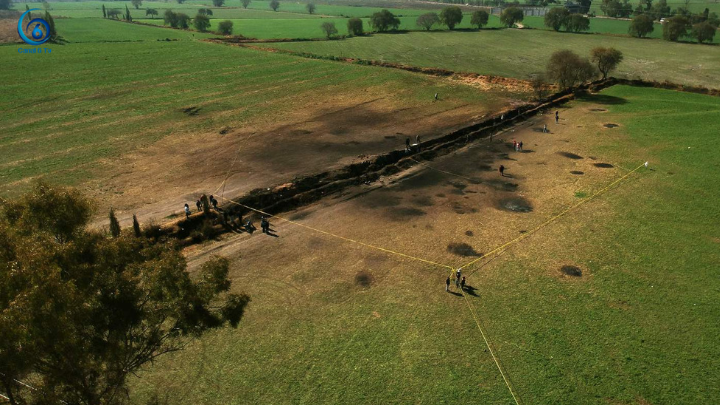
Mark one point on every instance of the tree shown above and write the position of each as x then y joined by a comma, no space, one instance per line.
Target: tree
245,3
51,24
479,18
556,18
225,27
703,32
641,26
585,6
675,28
511,15
660,9
713,20
103,9
427,20
355,26
46,5
170,18
151,12
606,59
5,4
329,29
205,11
81,312
310,8
577,23
136,3
274,5
136,227
201,22
384,20
567,69
451,16
180,1
127,14
183,21
218,3
114,224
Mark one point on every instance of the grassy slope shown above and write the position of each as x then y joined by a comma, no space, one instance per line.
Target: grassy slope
520,53
643,327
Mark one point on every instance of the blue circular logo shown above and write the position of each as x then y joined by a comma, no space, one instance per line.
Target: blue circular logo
39,36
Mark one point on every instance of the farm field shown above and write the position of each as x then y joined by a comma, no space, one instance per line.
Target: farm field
120,114
696,6
521,53
334,322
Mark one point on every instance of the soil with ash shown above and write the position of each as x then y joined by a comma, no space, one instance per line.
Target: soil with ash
604,165
515,204
572,271
462,249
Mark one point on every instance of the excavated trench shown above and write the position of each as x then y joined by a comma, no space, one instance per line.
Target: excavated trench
306,190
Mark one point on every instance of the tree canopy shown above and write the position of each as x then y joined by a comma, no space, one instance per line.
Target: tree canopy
606,59
511,15
384,20
355,26
451,16
479,18
567,69
79,311
427,20
641,26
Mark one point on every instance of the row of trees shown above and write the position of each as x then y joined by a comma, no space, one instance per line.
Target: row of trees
567,69
584,4
559,17
677,27
450,17
201,22
81,311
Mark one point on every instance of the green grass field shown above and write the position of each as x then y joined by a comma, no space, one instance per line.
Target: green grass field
638,327
696,6
108,99
520,53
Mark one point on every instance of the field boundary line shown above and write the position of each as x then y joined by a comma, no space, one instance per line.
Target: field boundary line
407,256
554,218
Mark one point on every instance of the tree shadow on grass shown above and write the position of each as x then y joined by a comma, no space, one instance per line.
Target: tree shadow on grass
602,99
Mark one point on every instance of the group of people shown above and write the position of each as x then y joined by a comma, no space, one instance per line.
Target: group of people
517,145
459,281
248,225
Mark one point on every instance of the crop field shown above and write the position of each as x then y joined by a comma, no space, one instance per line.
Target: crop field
614,302
118,113
521,53
696,6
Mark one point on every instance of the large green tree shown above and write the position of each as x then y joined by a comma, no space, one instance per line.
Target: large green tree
479,18
703,32
511,15
606,59
675,28
567,69
136,3
201,22
451,16
384,20
641,26
80,312
355,26
556,18
427,20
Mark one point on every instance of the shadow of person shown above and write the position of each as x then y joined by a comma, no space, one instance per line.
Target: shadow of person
455,293
270,232
470,290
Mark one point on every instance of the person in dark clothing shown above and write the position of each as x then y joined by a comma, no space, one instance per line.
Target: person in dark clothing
265,225
407,144
502,170
447,284
462,283
249,226
213,201
198,204
520,145
557,116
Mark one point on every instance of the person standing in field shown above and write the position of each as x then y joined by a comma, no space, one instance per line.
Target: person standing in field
458,274
407,144
514,144
198,204
502,170
545,129
462,283
520,146
447,284
436,96
557,116
187,211
265,225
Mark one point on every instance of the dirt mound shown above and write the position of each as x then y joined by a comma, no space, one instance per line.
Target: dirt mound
462,249
572,271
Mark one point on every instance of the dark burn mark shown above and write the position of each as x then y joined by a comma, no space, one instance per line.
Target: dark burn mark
515,204
570,155
572,271
578,172
604,165
462,249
